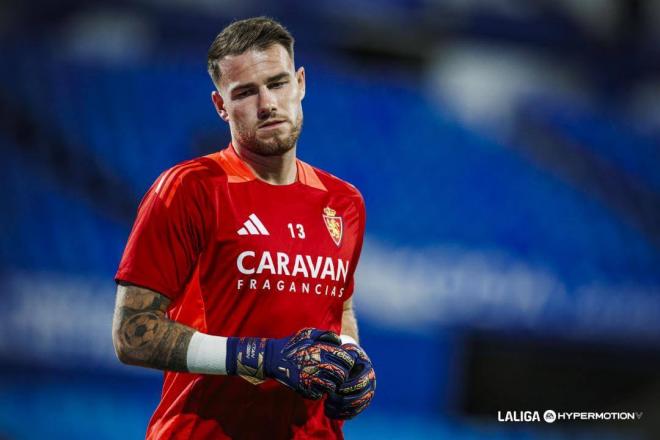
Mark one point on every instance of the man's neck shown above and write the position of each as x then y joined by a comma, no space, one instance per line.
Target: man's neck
276,170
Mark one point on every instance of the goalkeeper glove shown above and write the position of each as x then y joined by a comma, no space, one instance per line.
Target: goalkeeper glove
311,362
354,395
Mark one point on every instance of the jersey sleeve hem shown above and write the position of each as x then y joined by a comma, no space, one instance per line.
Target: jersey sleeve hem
130,278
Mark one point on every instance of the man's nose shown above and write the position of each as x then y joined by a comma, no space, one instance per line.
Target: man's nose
267,104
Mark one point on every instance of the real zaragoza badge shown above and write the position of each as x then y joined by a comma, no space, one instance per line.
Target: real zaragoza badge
334,224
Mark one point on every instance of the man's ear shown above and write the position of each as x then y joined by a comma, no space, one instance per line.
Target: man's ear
300,78
219,105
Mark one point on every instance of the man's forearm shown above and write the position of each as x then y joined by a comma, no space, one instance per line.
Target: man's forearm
349,325
142,333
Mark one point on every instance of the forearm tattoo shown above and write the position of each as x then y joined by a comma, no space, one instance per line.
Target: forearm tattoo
143,335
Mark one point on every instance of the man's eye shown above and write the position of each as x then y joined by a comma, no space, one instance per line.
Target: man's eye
277,85
243,94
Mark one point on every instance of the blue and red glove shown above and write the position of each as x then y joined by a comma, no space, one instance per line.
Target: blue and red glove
311,362
355,394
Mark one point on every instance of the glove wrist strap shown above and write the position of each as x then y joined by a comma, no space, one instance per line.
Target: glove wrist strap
246,358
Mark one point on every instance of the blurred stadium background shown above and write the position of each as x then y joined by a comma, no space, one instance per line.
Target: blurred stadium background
508,152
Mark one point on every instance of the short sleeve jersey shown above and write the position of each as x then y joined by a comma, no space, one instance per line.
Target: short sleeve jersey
240,257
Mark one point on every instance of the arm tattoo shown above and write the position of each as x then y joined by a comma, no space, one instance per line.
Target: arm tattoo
143,335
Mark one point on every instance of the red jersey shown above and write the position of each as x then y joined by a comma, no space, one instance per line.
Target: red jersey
241,257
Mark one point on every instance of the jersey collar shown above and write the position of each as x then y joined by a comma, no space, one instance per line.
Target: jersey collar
238,171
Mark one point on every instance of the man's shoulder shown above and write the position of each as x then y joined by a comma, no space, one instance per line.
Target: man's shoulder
190,175
335,184
198,168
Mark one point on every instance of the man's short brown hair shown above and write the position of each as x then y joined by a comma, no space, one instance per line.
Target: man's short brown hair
240,36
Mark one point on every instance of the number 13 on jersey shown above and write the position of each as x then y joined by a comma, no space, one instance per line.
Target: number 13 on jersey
296,230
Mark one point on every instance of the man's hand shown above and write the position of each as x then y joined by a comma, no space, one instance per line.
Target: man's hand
354,395
311,362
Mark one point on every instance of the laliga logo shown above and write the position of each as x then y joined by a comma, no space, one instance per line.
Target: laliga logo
526,416
551,416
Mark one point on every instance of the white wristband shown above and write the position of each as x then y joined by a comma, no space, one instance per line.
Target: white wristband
207,354
345,339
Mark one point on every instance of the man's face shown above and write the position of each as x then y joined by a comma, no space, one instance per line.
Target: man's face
260,96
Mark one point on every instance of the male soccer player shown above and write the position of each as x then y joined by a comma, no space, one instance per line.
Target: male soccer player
239,268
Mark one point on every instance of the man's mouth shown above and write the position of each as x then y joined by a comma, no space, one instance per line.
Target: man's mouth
272,123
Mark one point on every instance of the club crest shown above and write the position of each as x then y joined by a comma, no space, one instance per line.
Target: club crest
334,224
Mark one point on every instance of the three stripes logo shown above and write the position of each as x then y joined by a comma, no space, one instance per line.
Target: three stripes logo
253,226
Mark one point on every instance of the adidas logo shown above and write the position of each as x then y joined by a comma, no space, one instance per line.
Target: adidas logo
253,226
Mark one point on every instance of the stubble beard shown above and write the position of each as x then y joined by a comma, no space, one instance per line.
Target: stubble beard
276,145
